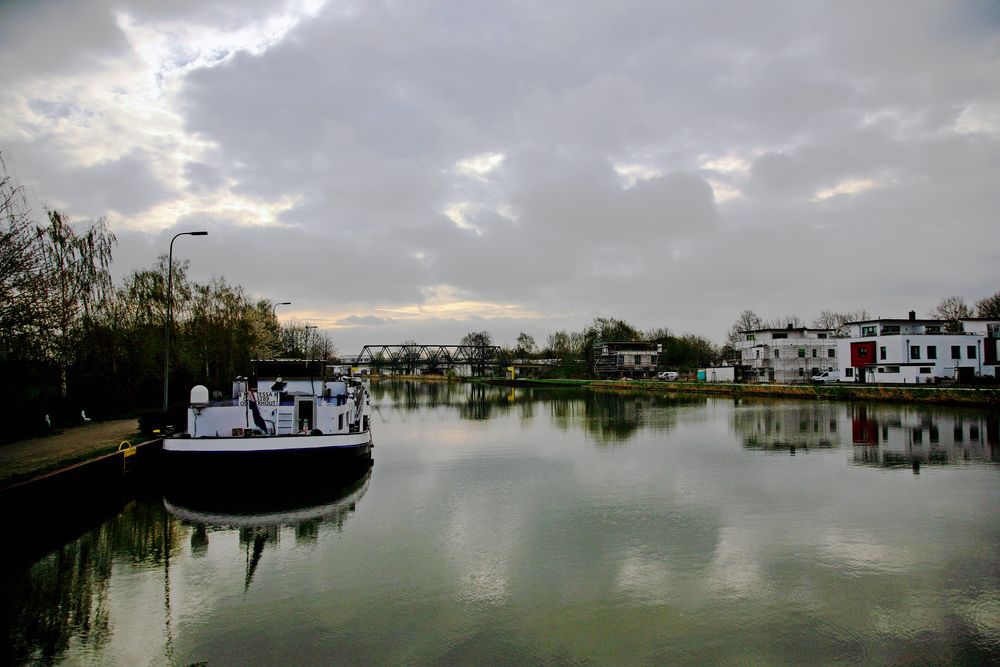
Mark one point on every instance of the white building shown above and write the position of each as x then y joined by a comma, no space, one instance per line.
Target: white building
912,351
787,355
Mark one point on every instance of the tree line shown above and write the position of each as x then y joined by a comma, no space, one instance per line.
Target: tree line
71,340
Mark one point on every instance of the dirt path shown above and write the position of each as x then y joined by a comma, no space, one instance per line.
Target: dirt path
22,459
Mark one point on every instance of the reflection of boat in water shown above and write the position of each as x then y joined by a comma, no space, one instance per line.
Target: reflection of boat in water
277,506
300,418
262,514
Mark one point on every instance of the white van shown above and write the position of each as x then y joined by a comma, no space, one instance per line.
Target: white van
827,376
667,375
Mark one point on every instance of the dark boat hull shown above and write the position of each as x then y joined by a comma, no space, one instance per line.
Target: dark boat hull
248,472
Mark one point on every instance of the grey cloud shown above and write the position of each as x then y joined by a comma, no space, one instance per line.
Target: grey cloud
365,320
126,185
359,119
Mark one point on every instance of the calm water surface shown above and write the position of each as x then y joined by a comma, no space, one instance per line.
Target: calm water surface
518,526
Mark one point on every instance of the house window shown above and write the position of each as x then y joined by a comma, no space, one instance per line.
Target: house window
776,353
802,372
881,369
821,335
652,359
867,331
881,352
848,372
756,354
914,352
956,351
778,336
862,351
925,370
802,353
815,352
974,433
638,360
892,369
621,359
932,351
890,330
751,337
971,351
932,329
831,352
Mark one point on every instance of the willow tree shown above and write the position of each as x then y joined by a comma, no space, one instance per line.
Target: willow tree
78,278
23,288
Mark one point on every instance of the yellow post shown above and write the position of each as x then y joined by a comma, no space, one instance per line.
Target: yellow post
511,369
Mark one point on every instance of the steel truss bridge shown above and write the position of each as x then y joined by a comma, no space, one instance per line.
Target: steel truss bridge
429,355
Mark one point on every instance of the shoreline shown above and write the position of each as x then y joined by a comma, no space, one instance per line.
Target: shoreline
925,395
845,392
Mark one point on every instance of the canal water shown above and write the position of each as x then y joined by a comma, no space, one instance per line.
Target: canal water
521,526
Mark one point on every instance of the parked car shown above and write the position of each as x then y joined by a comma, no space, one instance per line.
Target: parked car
667,375
827,376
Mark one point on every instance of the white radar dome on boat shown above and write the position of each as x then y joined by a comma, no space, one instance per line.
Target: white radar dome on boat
199,394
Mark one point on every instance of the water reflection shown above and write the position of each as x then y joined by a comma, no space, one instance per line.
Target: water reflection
608,416
880,435
62,600
260,523
789,427
64,596
523,538
910,437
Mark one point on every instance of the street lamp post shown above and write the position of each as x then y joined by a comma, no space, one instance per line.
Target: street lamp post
274,308
166,335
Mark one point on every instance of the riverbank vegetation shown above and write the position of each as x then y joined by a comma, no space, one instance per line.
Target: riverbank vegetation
74,343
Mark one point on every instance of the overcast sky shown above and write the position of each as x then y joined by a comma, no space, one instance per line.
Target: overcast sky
418,170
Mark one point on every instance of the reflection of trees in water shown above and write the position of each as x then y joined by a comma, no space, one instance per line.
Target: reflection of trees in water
64,596
909,436
609,416
412,395
788,426
614,417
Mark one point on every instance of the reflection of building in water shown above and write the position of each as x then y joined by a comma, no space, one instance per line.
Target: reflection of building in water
902,437
789,426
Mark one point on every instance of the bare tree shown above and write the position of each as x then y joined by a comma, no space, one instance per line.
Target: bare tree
560,344
837,322
952,310
989,307
747,321
785,322
525,345
477,338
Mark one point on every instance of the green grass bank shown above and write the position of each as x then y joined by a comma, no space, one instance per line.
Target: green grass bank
842,392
